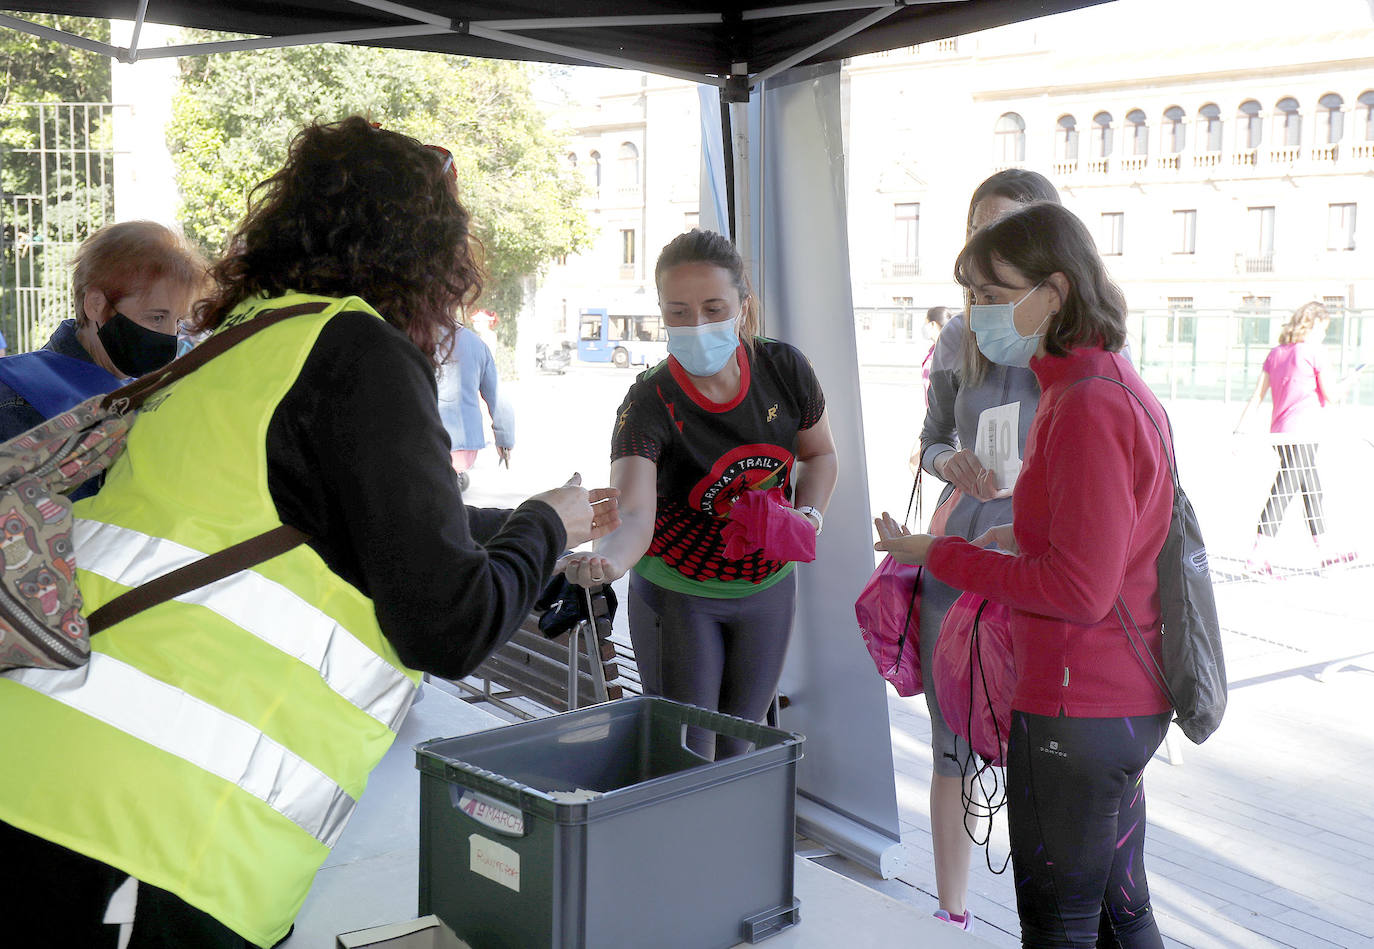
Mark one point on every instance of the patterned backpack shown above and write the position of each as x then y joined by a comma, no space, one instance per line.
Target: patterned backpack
41,620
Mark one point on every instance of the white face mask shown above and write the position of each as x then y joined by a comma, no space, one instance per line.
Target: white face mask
994,326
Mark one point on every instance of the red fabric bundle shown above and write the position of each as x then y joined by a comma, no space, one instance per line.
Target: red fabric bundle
974,674
764,521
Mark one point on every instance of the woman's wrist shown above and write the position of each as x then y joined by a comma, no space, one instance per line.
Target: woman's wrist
937,464
813,515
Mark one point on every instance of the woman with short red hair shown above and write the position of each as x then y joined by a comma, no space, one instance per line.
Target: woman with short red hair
132,284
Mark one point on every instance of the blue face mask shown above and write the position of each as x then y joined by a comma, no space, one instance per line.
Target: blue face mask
994,327
703,349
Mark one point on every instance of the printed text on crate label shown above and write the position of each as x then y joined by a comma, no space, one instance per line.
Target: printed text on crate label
487,811
494,861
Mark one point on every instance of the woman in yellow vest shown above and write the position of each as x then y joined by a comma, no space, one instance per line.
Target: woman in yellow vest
215,745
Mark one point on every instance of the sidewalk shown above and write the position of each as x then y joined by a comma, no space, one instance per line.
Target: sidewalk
1260,837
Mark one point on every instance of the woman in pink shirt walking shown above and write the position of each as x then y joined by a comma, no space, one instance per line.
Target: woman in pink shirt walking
1293,372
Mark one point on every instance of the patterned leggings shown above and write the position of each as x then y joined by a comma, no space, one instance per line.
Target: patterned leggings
1076,805
1297,474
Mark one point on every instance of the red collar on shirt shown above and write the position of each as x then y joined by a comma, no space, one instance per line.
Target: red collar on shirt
684,379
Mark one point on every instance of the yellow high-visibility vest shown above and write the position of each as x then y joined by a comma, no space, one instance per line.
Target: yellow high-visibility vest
216,744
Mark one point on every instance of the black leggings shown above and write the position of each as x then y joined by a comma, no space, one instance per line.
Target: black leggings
724,655
1076,809
1297,472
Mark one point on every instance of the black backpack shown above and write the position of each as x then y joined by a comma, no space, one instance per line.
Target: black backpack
1194,673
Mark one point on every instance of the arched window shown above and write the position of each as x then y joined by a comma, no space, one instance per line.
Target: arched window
1066,139
595,156
1175,130
629,165
1249,125
1102,134
1010,132
1287,122
1330,119
1209,127
1366,116
1137,132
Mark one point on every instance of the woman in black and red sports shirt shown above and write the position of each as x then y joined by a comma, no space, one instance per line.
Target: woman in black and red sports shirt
728,412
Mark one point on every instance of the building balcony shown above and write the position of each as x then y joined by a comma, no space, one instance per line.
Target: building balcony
1242,163
627,271
1255,263
901,268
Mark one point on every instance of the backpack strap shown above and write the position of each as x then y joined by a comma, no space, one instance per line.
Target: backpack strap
1167,444
203,572
132,396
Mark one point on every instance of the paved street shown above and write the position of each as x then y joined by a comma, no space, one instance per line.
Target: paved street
1260,837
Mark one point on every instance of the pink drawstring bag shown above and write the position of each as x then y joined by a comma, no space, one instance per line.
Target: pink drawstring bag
974,674
889,612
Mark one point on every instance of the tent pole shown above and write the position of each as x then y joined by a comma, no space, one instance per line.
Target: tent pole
728,156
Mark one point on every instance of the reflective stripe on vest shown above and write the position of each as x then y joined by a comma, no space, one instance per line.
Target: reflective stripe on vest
166,717
229,731
261,607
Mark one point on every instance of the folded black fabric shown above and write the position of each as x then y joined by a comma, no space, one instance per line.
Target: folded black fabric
564,605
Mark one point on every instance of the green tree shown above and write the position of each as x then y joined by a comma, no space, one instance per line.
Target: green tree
52,198
235,113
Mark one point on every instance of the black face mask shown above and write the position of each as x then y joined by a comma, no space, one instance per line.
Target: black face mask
134,349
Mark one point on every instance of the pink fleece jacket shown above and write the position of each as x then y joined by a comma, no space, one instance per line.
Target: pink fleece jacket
1092,507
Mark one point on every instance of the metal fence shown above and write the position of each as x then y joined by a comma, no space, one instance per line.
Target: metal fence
1182,354
57,171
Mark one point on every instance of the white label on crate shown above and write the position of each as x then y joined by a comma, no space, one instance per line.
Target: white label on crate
494,861
493,813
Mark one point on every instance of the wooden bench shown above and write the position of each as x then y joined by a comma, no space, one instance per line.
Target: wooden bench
538,670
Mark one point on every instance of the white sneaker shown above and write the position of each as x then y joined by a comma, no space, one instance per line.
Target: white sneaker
967,925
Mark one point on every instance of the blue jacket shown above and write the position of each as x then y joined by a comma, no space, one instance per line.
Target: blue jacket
18,415
469,371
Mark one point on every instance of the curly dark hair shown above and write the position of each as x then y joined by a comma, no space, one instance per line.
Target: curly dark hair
357,210
1042,239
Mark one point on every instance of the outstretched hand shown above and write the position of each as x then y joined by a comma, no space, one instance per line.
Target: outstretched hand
904,546
586,515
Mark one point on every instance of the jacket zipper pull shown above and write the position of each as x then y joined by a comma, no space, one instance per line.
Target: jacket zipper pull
1066,677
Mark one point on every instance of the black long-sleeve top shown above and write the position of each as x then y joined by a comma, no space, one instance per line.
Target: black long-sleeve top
357,458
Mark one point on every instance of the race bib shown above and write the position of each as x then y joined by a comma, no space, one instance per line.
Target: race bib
997,445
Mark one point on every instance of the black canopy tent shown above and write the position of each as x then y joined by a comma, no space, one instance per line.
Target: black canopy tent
706,41
775,65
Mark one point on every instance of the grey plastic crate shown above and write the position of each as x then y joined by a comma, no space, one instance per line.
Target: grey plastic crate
669,851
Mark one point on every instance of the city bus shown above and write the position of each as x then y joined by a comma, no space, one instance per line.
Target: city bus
621,339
